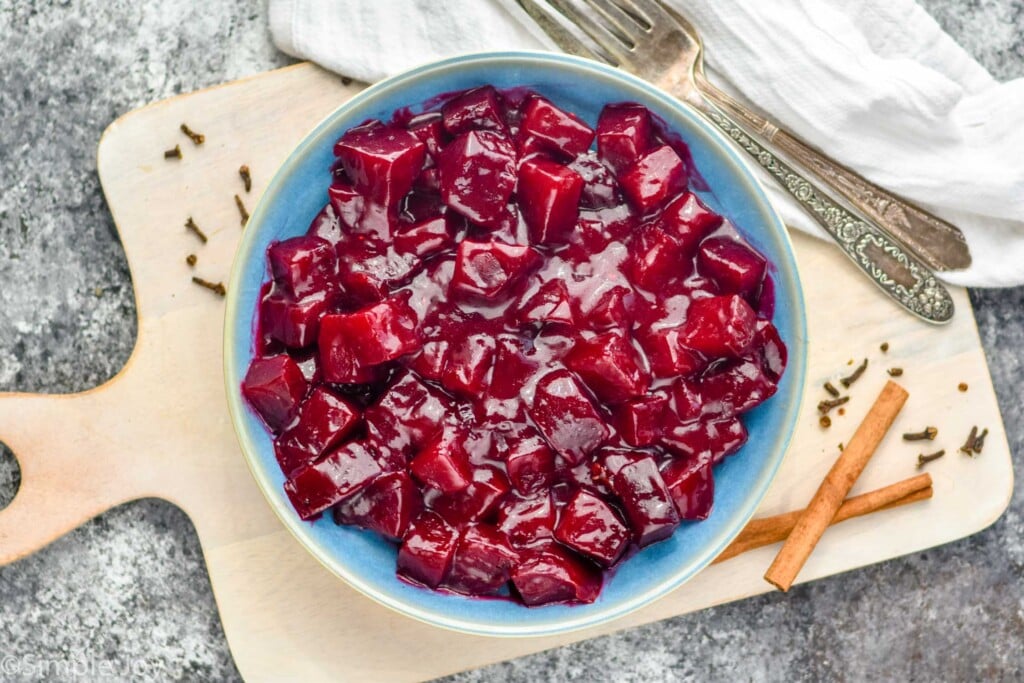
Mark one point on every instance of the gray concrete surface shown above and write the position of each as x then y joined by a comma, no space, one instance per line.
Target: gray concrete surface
126,596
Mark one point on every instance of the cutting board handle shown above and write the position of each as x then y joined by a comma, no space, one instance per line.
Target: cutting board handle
72,468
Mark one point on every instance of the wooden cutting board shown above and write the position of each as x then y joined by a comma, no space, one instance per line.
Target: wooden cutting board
161,428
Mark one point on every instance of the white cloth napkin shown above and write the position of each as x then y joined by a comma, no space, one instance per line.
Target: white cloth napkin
875,83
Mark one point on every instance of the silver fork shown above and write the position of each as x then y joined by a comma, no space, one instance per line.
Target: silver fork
641,37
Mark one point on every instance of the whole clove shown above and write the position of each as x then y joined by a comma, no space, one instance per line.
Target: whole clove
847,381
928,433
831,389
895,372
825,406
191,225
191,259
242,210
215,287
243,171
968,447
884,347
825,421
173,153
922,458
197,138
962,386
979,442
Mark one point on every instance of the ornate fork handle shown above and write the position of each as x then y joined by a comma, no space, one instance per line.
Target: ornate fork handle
899,274
940,245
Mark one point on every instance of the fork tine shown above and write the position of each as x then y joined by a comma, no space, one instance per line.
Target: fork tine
620,22
599,33
563,37
651,11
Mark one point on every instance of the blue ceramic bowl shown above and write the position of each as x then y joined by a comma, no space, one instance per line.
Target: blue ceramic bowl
366,561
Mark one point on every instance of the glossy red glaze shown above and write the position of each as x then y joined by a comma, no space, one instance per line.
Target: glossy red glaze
274,387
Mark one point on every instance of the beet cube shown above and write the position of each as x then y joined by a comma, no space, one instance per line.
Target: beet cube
656,258
735,267
429,129
735,389
719,326
600,188
426,553
711,439
646,500
348,204
303,265
325,419
687,403
550,304
381,160
373,335
567,417
609,365
343,472
624,132
429,361
409,413
483,561
485,270
773,350
443,462
326,225
654,178
368,269
478,175
591,527
668,354
555,575
476,109
611,308
640,421
467,364
555,129
424,238
529,462
528,520
549,196
274,387
688,220
295,324
691,483
386,506
476,502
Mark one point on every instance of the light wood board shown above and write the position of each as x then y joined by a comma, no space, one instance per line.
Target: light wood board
161,428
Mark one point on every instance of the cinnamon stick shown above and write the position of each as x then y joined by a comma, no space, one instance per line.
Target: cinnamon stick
768,530
837,484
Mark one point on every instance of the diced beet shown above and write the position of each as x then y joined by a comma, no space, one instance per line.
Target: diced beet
550,304
550,196
476,502
483,561
691,483
382,160
591,527
347,202
711,439
668,354
407,415
608,364
326,225
429,129
610,309
528,520
303,265
349,342
427,550
657,258
735,389
295,324
386,506
343,472
773,350
368,269
687,403
555,575
443,462
567,417
274,387
719,326
325,419
735,267
640,421
653,178
424,238
529,462
429,360
557,130
478,175
688,220
476,109
487,269
624,132
467,364
507,385
600,188
646,500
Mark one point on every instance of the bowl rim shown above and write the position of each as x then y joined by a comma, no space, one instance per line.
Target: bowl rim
797,351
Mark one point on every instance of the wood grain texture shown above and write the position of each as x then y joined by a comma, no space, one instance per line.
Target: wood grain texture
161,428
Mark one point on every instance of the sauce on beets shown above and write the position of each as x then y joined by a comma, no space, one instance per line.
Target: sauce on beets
517,356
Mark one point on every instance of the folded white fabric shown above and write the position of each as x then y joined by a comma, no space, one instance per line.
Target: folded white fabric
875,83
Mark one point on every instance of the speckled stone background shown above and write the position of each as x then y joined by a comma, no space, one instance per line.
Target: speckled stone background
127,596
